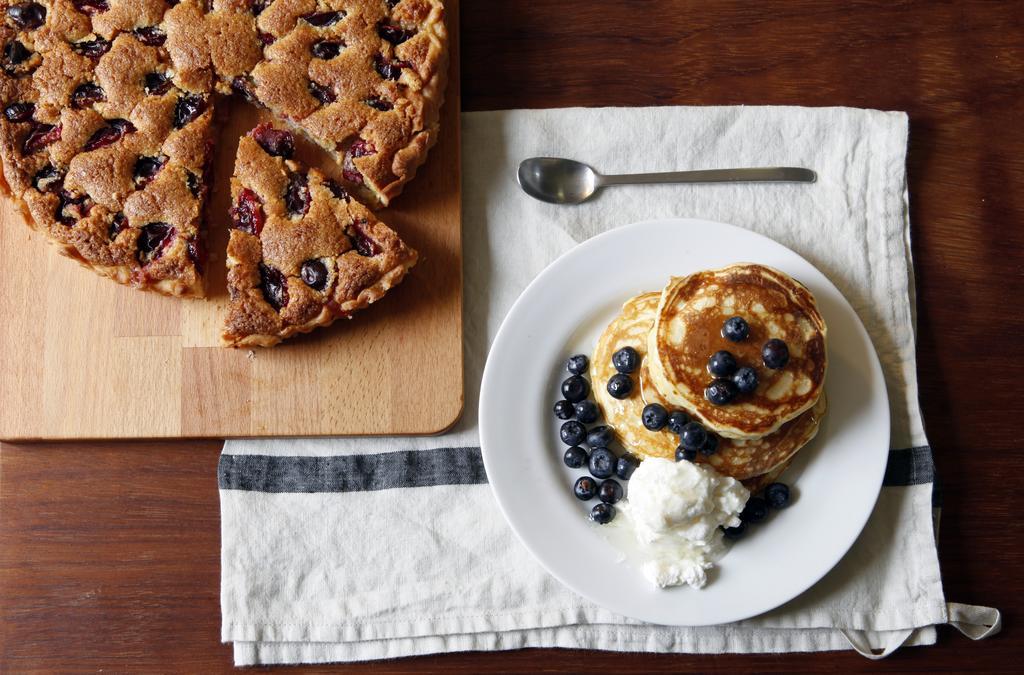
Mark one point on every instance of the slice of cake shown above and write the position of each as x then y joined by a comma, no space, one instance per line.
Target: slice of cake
302,252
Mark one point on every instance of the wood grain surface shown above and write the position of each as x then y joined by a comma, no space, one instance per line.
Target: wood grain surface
109,552
90,359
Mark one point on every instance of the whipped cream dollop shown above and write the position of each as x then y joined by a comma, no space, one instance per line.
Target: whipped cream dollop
675,510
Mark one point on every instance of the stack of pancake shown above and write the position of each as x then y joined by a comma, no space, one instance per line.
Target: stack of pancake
677,330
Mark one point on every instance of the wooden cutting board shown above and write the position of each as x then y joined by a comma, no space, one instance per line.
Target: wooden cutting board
82,357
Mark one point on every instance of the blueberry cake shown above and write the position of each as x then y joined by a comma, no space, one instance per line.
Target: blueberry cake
105,138
302,253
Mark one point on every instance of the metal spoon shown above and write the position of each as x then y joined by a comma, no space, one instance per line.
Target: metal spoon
566,181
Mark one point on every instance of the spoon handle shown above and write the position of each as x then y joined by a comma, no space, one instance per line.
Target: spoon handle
783,174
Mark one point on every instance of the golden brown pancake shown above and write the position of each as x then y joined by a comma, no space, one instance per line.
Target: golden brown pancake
740,459
759,483
687,331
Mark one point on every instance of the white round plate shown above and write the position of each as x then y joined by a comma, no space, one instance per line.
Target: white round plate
836,478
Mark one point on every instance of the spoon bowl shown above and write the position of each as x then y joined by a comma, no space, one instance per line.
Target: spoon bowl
557,181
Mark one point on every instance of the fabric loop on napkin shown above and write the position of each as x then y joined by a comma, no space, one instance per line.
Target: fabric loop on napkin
862,641
974,621
364,548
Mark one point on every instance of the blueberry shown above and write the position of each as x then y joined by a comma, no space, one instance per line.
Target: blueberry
575,457
626,360
722,363
396,35
602,513
720,392
577,365
777,495
573,433
602,463
600,437
587,412
745,380
296,196
775,354
755,511
21,112
575,388
677,420
323,93
685,454
620,385
626,465
654,416
321,19
734,533
610,491
27,15
187,109
710,445
585,488
326,49
736,329
564,410
692,437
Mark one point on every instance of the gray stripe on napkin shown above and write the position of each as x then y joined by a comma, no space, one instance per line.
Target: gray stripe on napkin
910,466
352,473
441,466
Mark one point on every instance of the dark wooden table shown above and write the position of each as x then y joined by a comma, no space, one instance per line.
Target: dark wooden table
109,552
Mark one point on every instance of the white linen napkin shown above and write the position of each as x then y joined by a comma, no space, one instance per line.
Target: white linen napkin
366,548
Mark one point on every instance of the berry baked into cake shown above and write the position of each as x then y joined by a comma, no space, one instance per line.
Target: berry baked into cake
302,252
